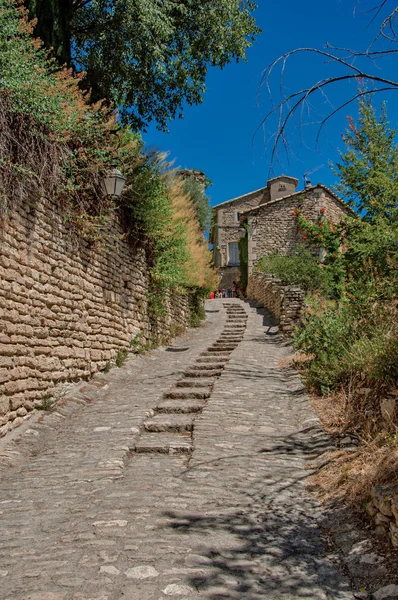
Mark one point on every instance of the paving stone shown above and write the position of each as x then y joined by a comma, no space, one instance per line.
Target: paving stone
98,508
141,572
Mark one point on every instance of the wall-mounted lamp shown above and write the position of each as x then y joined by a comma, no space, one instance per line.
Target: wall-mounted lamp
113,183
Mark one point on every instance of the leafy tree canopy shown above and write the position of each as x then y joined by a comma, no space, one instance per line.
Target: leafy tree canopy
368,171
147,56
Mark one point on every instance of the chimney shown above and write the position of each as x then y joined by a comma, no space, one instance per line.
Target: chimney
307,184
281,186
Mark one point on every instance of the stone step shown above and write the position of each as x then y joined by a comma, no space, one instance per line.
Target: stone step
164,443
212,373
232,333
190,392
230,338
219,355
181,406
223,346
189,383
214,366
214,351
176,423
209,359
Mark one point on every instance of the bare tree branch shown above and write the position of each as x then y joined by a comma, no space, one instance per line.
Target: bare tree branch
357,65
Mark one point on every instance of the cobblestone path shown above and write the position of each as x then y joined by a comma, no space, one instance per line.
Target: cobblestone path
181,475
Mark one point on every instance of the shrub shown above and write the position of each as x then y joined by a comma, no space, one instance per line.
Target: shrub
300,268
343,342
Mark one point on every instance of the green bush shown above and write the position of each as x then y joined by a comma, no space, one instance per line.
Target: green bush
244,260
196,308
300,268
345,339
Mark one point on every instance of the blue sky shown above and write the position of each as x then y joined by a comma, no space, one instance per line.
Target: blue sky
217,136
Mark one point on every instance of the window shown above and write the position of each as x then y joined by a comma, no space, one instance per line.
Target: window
238,217
233,253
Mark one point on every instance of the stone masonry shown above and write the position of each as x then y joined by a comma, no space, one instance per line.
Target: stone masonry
272,226
383,509
184,475
66,307
267,214
284,302
189,485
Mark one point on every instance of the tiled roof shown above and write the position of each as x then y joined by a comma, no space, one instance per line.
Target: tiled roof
284,177
311,188
239,197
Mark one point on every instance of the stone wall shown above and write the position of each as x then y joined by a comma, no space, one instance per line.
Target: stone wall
284,302
66,307
273,226
383,509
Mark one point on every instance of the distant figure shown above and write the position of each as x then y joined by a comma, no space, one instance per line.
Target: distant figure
235,293
212,295
229,291
223,293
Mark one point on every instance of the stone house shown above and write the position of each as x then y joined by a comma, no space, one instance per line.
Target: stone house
267,216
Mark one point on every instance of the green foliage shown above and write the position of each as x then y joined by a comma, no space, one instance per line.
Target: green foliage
243,246
355,336
196,307
121,357
69,146
199,199
47,402
345,339
368,171
148,57
54,17
300,268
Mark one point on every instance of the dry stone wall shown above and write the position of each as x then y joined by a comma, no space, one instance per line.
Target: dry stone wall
284,302
66,307
383,508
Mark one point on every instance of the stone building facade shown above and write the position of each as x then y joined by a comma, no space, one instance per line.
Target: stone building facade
267,215
272,225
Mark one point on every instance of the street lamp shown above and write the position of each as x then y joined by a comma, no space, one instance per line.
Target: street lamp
113,182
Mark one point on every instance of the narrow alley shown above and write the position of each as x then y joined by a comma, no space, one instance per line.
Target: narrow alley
183,474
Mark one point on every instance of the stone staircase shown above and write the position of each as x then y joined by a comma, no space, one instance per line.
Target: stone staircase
170,425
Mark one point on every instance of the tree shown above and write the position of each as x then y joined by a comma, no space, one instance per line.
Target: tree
195,186
368,171
148,57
